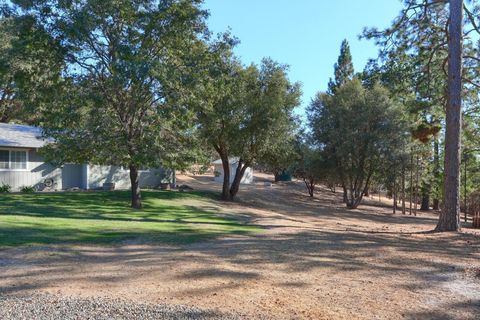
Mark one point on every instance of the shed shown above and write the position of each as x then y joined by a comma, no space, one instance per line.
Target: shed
218,171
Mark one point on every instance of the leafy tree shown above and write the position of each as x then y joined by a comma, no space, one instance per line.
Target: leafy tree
125,85
281,157
357,128
244,112
31,62
343,68
311,166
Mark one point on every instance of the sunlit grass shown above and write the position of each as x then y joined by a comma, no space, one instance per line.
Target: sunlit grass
106,218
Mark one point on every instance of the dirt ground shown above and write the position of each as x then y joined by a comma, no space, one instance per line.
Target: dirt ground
314,260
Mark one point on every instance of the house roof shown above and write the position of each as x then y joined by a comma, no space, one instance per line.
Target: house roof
22,136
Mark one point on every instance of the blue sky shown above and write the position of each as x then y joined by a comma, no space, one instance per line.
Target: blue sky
305,34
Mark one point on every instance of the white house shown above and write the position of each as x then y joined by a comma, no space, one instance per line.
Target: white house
218,171
22,165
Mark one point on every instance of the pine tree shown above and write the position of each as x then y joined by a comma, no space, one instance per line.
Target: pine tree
343,68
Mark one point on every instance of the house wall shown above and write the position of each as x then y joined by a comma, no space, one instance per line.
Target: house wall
72,176
98,175
78,175
36,173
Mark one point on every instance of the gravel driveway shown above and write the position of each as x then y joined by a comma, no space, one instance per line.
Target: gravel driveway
50,307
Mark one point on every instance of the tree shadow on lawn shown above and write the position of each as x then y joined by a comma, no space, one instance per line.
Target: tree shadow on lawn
104,217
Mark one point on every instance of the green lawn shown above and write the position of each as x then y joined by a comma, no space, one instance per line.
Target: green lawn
105,218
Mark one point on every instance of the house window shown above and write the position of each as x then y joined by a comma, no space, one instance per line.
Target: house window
18,160
4,159
13,160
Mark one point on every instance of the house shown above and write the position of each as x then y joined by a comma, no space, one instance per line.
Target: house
22,165
218,171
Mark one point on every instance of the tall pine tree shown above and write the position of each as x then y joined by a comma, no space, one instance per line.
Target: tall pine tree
343,68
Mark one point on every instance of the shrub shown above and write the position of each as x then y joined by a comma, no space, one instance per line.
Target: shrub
5,188
27,189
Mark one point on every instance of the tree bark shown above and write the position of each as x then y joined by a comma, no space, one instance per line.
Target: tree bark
417,168
411,182
436,173
226,177
356,196
425,202
394,188
310,184
449,219
239,172
135,186
403,187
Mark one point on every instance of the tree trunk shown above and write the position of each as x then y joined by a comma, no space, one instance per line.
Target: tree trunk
403,188
226,177
394,188
417,168
310,184
135,185
356,196
239,172
465,181
411,182
436,173
425,202
345,195
449,219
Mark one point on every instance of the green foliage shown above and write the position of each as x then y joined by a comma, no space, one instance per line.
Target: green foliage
5,188
343,69
27,189
126,87
103,218
244,112
356,129
311,166
30,68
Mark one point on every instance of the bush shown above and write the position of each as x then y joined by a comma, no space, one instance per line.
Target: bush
27,189
5,188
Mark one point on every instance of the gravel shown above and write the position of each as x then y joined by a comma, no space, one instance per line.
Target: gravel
49,307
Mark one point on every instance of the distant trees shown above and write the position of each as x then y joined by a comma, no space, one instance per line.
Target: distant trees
432,34
311,167
357,128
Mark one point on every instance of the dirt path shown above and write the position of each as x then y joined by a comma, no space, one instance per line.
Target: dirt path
315,260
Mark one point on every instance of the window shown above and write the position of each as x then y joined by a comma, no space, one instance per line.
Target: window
13,160
18,160
4,159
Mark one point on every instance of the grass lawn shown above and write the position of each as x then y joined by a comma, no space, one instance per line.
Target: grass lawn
105,218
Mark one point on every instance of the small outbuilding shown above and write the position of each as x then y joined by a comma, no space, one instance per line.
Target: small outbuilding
218,171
